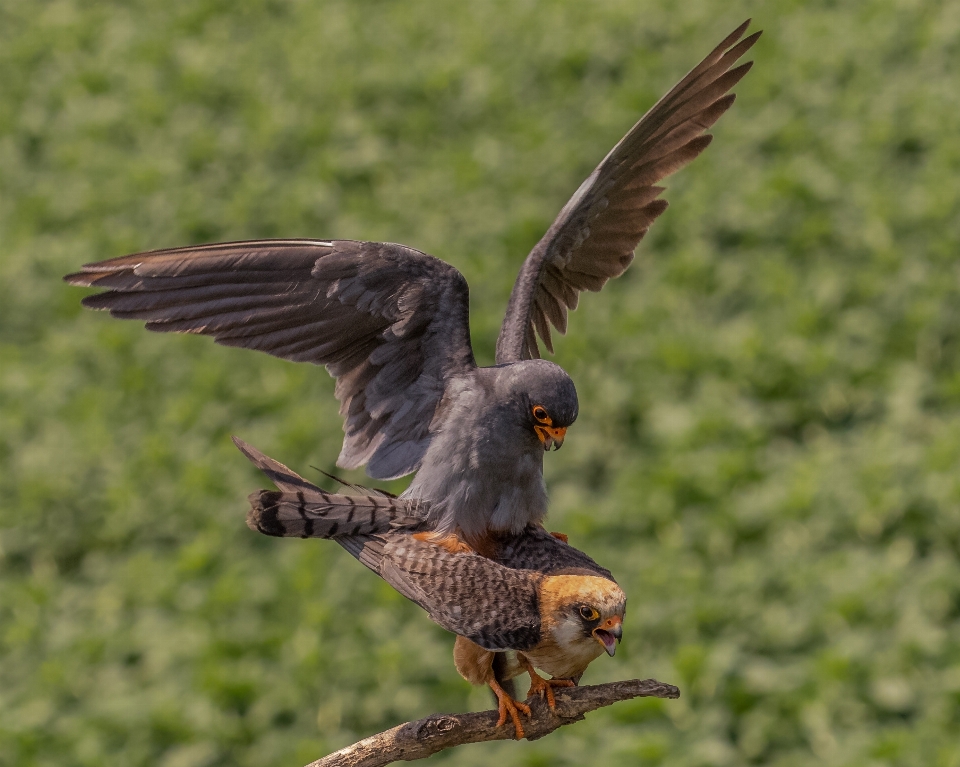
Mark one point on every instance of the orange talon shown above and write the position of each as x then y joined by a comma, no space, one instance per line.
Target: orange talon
560,537
507,705
543,687
449,542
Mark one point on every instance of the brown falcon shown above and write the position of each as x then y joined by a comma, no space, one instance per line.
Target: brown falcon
536,603
391,323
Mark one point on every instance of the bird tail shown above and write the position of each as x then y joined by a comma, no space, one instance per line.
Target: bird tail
300,509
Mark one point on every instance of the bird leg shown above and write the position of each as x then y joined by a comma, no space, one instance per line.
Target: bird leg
476,666
540,686
507,705
451,542
560,537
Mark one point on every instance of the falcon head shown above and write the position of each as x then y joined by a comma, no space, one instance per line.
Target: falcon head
542,398
583,617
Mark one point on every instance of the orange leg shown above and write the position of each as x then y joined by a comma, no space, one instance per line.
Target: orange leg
449,542
560,537
540,686
508,705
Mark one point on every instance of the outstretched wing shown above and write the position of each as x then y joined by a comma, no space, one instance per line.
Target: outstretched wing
389,323
593,238
491,605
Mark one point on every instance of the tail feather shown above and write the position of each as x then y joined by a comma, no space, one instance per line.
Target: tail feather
314,513
300,509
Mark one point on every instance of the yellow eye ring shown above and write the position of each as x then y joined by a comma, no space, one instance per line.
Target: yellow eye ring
540,413
588,613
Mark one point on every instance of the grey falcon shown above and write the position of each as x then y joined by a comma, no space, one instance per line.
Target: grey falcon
391,324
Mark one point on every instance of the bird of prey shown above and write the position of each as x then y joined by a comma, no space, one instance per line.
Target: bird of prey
391,323
536,602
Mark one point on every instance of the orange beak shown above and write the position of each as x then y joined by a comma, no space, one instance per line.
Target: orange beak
609,633
551,436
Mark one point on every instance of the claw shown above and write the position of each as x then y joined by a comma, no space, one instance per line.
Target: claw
543,687
507,705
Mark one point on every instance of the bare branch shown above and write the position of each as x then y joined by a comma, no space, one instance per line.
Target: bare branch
416,740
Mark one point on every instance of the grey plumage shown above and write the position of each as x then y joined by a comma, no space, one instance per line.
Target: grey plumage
391,323
300,509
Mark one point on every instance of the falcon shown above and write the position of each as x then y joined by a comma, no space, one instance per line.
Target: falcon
391,323
535,603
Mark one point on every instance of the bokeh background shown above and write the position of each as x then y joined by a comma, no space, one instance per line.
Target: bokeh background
768,448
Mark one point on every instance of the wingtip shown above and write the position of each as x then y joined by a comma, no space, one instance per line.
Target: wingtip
734,36
81,279
252,454
751,39
94,301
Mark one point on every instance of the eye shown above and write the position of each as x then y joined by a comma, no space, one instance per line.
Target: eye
540,413
588,613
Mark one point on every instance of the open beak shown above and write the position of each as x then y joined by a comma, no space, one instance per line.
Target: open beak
609,633
551,436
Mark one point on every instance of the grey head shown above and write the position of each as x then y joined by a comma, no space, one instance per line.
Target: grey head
539,398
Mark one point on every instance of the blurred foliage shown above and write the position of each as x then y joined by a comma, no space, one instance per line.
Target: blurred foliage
768,449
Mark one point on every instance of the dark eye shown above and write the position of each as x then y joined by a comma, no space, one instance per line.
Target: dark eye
588,613
540,413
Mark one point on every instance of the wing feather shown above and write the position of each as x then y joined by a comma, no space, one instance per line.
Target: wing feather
389,322
494,606
594,236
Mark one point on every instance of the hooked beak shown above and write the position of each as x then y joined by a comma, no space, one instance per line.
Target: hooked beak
609,633
551,436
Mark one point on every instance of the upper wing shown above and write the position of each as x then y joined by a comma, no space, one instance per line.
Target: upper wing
593,238
489,604
389,322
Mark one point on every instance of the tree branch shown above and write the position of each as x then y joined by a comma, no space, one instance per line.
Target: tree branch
415,740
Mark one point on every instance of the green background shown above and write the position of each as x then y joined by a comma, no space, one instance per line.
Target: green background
768,448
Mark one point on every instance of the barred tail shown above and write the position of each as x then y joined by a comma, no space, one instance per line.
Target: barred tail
314,513
301,509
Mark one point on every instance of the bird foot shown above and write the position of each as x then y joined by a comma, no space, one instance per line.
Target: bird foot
449,542
508,706
544,687
560,537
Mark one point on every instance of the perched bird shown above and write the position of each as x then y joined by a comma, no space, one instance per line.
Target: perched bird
535,603
391,323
